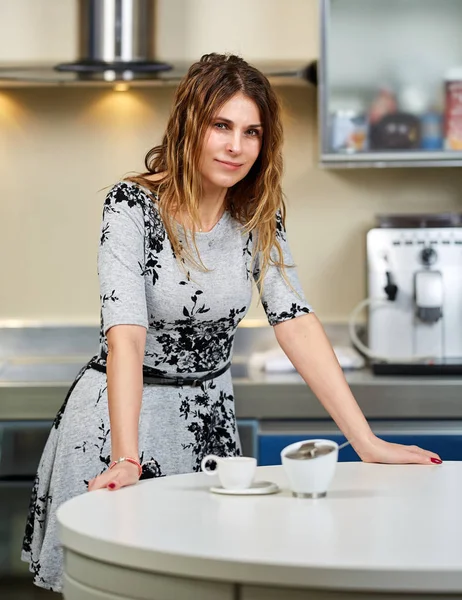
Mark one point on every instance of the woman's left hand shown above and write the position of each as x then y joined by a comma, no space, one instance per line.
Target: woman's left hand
376,450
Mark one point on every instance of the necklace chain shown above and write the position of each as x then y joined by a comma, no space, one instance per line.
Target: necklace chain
219,217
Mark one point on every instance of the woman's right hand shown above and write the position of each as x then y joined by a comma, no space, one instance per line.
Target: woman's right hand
121,475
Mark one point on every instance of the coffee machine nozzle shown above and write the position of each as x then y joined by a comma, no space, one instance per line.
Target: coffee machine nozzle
428,295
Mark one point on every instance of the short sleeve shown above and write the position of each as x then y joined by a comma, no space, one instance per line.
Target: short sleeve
121,260
280,300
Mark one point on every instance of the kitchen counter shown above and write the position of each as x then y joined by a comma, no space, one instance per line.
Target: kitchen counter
392,530
39,390
37,366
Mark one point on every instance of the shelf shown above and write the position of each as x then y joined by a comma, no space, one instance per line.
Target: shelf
380,160
279,72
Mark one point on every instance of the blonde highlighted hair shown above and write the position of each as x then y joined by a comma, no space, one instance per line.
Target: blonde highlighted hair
255,200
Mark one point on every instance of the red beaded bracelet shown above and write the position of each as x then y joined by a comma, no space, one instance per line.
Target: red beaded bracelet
128,459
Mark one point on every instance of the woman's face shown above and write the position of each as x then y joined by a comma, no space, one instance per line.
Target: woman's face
232,144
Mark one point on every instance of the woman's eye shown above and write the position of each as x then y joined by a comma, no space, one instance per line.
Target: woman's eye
221,125
253,132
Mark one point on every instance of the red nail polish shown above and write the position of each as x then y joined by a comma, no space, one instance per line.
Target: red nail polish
437,461
112,485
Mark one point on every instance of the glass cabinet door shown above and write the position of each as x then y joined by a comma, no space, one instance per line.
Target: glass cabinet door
390,77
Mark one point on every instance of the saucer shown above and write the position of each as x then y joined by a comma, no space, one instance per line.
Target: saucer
257,487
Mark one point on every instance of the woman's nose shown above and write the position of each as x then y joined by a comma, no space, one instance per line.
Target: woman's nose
234,145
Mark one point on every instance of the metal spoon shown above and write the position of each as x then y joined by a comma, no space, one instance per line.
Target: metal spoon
311,450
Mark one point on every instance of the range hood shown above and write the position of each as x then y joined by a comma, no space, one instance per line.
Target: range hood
117,46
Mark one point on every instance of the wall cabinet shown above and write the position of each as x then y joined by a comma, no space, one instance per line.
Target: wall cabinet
390,83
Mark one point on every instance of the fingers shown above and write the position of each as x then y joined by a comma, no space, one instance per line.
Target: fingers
114,479
115,484
106,479
422,457
418,458
427,455
390,453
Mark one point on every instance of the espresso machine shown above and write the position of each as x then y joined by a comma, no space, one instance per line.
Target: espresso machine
415,294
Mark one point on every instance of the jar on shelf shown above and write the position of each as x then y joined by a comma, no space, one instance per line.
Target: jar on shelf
453,109
348,127
431,125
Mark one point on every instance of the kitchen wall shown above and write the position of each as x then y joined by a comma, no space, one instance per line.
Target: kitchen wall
60,147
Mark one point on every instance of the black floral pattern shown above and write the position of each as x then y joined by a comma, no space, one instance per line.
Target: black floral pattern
211,423
108,297
104,456
247,255
132,196
194,345
104,300
101,393
295,311
280,229
104,233
151,467
60,412
38,510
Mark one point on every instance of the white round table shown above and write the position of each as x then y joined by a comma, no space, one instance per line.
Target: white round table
383,531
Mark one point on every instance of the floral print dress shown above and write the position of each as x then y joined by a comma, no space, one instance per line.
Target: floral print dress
190,317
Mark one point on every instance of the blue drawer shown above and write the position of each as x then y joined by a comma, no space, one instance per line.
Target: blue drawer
448,446
270,446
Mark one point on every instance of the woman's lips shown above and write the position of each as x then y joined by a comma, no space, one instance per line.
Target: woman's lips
229,165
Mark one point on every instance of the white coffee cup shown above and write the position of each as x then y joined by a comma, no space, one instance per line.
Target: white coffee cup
310,477
234,472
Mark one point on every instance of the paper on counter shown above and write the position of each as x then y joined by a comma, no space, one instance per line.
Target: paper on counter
275,360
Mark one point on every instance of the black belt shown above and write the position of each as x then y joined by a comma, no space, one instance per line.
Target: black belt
150,376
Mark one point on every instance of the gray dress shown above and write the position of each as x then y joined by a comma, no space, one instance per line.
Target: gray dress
191,317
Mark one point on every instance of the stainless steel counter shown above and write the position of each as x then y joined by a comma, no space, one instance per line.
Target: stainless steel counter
37,366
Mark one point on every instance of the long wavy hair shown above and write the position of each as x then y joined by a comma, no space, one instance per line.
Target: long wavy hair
255,200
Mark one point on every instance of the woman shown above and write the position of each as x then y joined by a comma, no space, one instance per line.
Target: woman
180,247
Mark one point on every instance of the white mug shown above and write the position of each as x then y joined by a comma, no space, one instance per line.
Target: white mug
311,477
234,472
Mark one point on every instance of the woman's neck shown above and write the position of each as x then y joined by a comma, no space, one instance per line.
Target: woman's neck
211,208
